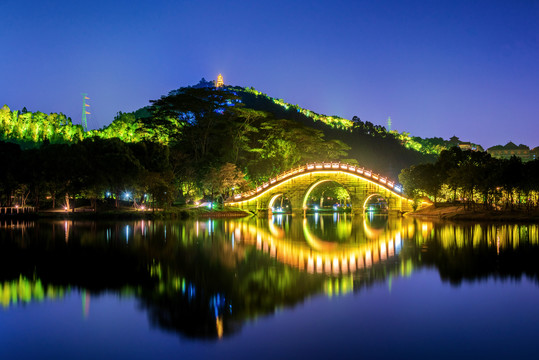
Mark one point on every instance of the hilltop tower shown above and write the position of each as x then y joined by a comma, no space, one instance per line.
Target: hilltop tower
85,111
219,82
389,123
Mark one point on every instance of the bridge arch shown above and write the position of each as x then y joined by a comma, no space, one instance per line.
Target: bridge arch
370,197
273,198
297,183
314,185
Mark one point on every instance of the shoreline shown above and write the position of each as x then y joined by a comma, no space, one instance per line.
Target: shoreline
129,213
458,213
443,212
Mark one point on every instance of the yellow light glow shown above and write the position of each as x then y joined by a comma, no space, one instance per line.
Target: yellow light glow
318,264
219,327
335,265
331,169
219,81
310,265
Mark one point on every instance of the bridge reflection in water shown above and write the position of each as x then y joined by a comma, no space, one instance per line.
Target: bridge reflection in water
300,248
183,271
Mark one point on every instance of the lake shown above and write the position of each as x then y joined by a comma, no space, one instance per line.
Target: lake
323,287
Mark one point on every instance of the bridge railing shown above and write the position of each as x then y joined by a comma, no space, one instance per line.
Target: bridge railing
313,167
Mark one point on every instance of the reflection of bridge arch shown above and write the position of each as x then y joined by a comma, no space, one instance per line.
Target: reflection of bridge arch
315,242
318,256
299,182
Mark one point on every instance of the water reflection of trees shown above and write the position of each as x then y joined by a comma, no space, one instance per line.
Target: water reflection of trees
188,277
479,251
205,278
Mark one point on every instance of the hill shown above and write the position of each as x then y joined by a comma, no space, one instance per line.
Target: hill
370,145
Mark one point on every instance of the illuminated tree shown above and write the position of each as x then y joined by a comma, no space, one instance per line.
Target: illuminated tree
224,181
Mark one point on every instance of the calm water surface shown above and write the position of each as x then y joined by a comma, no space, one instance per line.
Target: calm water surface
318,288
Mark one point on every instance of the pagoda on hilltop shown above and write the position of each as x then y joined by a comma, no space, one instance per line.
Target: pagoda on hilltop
219,82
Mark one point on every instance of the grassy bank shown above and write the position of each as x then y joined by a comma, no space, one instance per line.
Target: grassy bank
133,214
458,212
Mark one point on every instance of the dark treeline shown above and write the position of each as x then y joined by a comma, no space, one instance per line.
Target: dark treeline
474,177
56,174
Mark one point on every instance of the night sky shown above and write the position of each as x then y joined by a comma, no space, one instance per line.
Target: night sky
438,68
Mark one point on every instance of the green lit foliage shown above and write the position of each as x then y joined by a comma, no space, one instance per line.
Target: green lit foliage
125,127
472,177
423,179
424,146
224,181
342,195
328,194
204,132
197,120
30,129
333,121
370,145
280,145
33,128
210,127
244,130
24,290
204,128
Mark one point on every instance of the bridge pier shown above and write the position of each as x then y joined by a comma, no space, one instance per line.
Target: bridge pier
262,213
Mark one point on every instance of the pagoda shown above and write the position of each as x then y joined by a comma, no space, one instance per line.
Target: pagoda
219,81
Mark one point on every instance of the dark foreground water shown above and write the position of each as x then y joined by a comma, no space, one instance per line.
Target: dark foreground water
322,288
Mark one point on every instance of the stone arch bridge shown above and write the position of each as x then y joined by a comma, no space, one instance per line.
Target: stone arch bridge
296,185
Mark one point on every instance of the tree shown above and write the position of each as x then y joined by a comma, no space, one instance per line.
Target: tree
160,187
224,181
422,179
113,165
282,144
11,169
511,178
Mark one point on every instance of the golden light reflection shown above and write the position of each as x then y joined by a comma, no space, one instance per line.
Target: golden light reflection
344,264
318,256
66,230
352,262
368,259
336,269
310,265
383,251
362,251
219,327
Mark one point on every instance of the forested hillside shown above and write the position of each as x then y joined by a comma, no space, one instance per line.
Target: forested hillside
216,141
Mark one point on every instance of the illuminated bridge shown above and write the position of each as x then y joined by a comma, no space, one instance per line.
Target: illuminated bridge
296,185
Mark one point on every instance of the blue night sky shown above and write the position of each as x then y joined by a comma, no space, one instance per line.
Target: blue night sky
438,68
